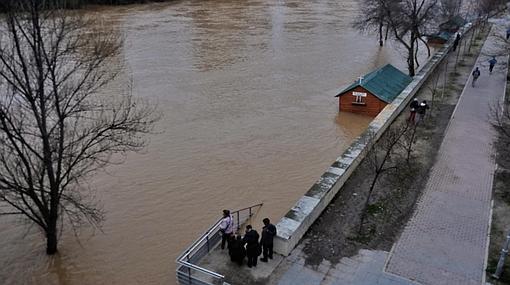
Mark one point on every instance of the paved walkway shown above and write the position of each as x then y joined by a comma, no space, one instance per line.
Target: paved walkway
445,242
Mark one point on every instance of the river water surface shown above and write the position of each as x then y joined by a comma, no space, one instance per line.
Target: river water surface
246,89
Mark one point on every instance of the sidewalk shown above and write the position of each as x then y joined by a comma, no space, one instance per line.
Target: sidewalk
446,239
445,242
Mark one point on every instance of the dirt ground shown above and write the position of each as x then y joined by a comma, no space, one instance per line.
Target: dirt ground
501,207
335,234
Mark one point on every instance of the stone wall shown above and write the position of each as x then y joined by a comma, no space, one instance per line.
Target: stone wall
308,208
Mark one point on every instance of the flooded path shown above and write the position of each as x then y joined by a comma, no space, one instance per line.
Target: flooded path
246,89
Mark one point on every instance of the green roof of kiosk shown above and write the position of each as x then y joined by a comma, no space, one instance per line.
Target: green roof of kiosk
385,83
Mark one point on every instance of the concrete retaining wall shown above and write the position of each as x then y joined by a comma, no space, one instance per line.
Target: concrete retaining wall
308,208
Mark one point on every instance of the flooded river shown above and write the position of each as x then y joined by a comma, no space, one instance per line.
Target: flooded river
246,89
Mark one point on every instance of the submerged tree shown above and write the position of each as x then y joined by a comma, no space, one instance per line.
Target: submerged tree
372,17
450,8
409,22
56,128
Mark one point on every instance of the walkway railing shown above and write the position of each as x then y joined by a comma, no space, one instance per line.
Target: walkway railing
188,272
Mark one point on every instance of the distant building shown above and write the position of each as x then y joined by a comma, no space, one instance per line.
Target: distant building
439,38
446,30
452,25
372,92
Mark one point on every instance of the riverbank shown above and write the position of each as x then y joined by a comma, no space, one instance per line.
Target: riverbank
336,233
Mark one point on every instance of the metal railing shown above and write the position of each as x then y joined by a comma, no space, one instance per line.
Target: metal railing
188,272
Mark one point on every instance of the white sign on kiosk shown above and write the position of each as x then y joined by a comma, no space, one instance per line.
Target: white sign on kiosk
359,94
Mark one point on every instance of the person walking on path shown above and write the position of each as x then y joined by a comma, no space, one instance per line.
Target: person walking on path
266,241
508,33
476,74
251,239
413,108
422,110
492,62
226,228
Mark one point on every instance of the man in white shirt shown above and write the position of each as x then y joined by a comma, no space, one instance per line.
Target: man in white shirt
226,228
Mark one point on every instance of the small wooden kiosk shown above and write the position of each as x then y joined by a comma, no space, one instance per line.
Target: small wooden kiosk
372,92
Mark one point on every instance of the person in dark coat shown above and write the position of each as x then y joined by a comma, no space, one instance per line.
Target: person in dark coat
476,73
456,42
413,108
266,241
422,110
492,62
236,250
251,239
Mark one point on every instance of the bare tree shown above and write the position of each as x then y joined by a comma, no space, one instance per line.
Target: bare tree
450,8
372,18
488,8
500,119
56,128
408,141
380,158
409,21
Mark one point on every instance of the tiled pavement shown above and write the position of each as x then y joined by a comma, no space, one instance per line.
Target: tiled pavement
445,241
366,268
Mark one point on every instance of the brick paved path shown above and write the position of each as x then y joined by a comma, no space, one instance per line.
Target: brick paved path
445,241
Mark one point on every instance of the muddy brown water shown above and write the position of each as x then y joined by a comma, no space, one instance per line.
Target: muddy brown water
246,89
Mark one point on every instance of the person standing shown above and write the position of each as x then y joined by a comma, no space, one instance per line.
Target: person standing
508,33
226,228
251,238
236,250
492,62
456,42
266,241
422,110
413,108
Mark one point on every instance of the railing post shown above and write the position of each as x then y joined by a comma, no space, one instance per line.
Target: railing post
199,244
189,269
238,224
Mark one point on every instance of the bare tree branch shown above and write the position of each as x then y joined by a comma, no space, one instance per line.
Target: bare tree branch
56,127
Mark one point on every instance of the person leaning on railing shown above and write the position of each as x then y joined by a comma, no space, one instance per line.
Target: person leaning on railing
226,228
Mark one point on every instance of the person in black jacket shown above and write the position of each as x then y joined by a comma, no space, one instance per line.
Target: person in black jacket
251,238
413,107
236,250
422,110
266,241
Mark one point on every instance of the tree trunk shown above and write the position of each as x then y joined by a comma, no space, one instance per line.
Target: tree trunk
410,60
381,34
51,238
367,201
411,142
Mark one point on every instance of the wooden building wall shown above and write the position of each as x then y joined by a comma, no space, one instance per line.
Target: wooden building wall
372,106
